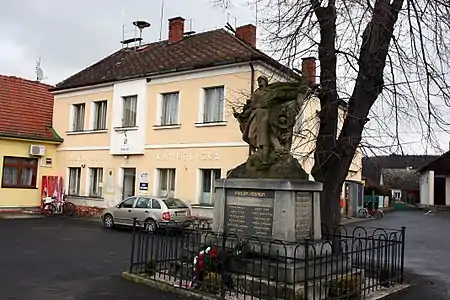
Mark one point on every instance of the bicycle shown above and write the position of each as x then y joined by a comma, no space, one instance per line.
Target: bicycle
52,206
375,213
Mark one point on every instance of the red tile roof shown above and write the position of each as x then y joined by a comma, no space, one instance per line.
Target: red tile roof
26,109
206,49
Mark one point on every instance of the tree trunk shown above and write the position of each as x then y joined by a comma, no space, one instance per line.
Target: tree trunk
333,156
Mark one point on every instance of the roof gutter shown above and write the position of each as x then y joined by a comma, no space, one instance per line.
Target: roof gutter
15,137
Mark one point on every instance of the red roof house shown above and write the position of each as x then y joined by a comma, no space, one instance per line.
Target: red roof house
26,110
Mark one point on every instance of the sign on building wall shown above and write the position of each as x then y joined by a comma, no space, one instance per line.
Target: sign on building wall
143,182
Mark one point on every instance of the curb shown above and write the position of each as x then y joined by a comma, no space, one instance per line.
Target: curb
390,292
163,286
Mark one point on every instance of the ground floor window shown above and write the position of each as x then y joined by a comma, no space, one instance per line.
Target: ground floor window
166,182
208,176
96,182
74,181
19,172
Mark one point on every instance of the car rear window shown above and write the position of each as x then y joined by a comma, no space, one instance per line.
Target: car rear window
174,203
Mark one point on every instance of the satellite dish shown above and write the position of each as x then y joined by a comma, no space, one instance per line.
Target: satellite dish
39,71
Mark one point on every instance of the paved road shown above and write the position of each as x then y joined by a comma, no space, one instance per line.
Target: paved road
427,252
66,259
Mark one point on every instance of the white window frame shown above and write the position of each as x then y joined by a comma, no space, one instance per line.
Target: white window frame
160,109
159,182
202,102
94,114
99,183
124,100
200,182
74,116
77,172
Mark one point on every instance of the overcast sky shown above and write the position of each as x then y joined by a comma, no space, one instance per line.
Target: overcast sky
71,35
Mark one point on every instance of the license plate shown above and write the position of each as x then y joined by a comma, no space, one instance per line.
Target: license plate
180,213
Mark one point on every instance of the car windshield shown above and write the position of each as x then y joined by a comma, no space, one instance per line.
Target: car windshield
174,203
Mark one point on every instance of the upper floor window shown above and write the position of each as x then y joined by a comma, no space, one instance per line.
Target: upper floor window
100,108
78,117
170,108
19,172
213,106
129,111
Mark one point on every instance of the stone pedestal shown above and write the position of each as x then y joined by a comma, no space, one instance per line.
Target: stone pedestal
275,209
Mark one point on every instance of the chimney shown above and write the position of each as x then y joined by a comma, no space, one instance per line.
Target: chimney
247,33
176,29
309,69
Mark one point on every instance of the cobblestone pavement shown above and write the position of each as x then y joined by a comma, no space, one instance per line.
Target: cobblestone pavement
66,259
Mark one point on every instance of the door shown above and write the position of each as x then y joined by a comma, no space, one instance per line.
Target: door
124,213
142,209
439,191
129,182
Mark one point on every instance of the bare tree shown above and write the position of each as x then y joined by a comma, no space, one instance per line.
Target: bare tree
391,53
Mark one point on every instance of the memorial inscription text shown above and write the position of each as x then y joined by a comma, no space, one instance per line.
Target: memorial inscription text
248,219
303,214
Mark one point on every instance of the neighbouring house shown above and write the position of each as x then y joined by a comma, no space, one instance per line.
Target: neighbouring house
397,173
435,181
28,141
157,119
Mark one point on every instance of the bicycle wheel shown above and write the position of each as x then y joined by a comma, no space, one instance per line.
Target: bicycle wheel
378,214
362,213
69,209
49,209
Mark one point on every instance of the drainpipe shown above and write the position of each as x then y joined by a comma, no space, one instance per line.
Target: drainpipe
252,89
252,77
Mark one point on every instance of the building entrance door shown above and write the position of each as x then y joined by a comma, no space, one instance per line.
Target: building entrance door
129,182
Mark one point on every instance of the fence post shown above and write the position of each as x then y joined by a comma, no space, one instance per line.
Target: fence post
305,288
402,263
133,238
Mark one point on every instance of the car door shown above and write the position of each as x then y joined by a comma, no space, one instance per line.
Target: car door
142,208
123,215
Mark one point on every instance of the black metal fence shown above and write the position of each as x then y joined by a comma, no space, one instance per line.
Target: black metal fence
351,263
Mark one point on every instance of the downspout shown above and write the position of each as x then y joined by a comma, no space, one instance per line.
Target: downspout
252,77
252,89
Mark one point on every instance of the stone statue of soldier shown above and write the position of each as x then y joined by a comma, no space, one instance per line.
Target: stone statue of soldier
267,121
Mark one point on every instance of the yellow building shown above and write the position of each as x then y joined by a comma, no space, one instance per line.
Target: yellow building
27,142
157,119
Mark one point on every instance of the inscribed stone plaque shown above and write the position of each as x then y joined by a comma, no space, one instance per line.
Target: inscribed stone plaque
303,214
249,212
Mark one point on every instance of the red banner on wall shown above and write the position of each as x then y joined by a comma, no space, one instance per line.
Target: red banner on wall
52,186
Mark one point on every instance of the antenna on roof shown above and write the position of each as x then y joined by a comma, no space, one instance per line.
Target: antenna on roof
228,20
39,71
161,20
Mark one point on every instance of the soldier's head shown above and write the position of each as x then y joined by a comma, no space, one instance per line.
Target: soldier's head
262,81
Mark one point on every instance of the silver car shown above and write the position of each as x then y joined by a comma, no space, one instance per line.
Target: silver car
151,212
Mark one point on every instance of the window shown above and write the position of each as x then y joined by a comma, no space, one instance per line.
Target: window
19,172
174,203
208,178
129,111
96,182
169,114
166,182
100,108
155,204
144,203
128,203
74,181
78,117
214,105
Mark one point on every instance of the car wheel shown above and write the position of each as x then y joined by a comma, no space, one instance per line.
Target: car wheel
150,225
108,221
